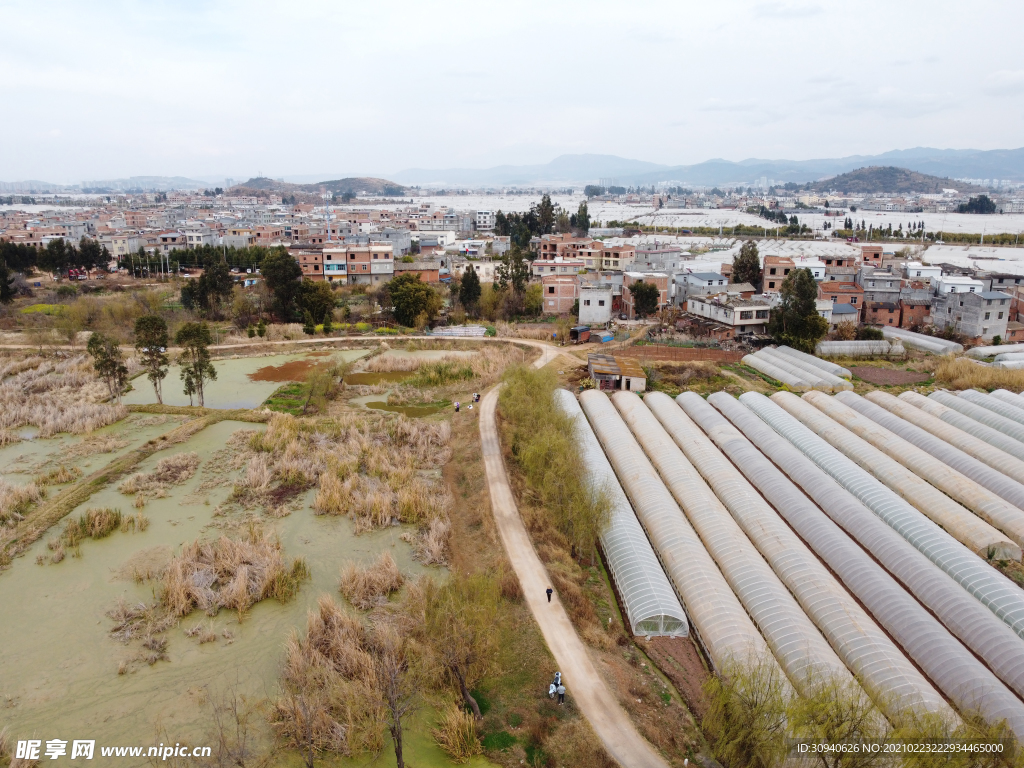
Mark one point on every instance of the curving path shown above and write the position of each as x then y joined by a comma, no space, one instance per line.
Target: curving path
595,700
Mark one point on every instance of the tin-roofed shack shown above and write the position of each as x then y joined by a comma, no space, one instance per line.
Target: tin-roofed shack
616,373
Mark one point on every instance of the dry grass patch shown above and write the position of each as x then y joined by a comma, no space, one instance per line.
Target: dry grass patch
456,734
369,587
94,444
94,523
15,501
171,470
60,476
54,396
230,573
964,373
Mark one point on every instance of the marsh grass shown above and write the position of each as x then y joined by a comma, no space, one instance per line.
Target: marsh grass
456,734
371,586
59,476
964,373
15,501
230,573
54,396
94,523
329,680
171,470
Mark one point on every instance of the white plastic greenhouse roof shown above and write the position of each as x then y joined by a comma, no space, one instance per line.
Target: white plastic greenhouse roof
650,602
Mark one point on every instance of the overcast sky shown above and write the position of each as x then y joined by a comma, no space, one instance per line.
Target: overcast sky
107,89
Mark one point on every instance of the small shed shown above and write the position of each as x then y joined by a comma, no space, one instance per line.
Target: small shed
580,334
612,373
604,336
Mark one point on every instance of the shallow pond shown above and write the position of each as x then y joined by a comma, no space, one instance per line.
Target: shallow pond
59,666
370,378
21,462
243,382
423,409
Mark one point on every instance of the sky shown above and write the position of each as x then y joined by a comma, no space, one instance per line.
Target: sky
227,88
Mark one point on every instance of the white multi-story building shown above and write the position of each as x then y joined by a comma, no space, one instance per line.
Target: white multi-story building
956,284
485,220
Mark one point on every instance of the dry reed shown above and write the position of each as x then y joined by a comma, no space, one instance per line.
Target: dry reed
15,501
329,678
137,522
506,330
230,573
60,476
456,734
369,587
171,470
55,396
964,373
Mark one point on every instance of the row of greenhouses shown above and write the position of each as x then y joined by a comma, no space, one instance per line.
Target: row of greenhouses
843,537
798,370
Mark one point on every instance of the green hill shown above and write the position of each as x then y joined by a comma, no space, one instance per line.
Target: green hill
877,179
354,186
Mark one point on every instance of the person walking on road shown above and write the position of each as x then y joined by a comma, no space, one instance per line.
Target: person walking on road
561,694
549,591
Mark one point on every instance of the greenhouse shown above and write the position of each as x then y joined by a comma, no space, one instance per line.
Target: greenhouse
994,404
1002,597
963,422
865,348
651,604
946,452
795,641
878,664
989,506
982,414
997,459
1011,398
922,341
823,380
768,368
817,362
718,620
1000,349
963,525
866,574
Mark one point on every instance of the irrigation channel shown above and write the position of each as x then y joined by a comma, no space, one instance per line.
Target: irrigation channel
841,537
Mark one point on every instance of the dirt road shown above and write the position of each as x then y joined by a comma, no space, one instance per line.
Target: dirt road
585,685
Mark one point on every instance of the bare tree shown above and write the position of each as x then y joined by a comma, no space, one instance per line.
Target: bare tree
395,683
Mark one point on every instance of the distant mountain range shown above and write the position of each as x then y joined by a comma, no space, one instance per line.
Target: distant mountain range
570,170
355,186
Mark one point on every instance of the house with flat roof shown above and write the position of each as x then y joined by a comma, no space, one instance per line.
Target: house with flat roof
982,314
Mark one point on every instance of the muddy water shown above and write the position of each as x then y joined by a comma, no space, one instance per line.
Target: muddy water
234,386
20,462
58,665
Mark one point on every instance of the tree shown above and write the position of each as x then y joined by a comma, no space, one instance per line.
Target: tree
459,626
308,324
328,322
316,298
646,297
581,219
745,722
196,366
214,285
513,272
980,204
109,363
795,322
746,267
395,684
411,297
7,290
545,215
282,274
151,341
469,289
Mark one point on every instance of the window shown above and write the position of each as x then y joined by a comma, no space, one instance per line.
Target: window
600,302
988,303
999,316
771,284
785,271
772,271
834,299
853,299
988,315
586,302
551,289
761,314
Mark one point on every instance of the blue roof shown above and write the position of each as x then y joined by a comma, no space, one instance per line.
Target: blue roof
706,275
995,295
845,309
